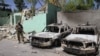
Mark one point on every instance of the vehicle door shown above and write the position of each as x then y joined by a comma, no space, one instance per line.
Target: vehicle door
64,32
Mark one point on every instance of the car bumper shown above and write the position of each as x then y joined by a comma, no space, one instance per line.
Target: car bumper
77,51
41,44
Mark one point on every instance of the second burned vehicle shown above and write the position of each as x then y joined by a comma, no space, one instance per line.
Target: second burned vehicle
84,40
51,35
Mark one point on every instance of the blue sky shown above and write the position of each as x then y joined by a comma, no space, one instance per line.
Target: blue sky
12,5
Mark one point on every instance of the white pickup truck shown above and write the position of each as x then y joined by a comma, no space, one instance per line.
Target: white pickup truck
84,40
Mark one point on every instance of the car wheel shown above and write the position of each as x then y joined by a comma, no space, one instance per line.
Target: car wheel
96,53
31,42
57,43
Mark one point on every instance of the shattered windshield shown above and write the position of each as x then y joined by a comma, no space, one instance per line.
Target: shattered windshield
90,44
51,29
75,44
89,31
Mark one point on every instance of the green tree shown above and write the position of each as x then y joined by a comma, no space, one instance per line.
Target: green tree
62,4
3,3
19,4
33,2
70,7
54,2
82,5
73,5
90,2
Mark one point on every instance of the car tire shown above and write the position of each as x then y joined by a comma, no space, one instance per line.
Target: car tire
57,43
31,42
96,53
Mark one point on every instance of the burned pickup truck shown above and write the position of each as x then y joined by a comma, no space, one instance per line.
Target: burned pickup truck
51,35
84,40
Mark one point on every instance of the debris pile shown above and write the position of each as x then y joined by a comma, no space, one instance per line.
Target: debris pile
3,32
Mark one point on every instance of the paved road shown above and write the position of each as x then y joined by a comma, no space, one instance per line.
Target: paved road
12,48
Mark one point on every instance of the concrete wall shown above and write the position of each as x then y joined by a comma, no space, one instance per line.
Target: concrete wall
40,20
36,23
16,18
4,21
73,19
51,14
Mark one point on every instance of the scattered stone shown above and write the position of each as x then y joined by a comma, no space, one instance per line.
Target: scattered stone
24,51
18,54
15,46
1,54
34,52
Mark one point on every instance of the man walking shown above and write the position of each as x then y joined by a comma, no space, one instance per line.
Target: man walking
19,31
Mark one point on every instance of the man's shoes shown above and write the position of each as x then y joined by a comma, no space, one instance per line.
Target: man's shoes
23,42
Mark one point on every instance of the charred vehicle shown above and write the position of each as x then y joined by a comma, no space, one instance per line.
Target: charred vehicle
83,40
51,35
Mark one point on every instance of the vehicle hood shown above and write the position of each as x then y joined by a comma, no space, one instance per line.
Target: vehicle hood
47,35
82,36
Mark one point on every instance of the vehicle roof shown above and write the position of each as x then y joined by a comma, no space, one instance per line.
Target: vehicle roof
41,37
81,40
58,25
86,26
46,35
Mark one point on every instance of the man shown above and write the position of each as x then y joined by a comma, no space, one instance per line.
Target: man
98,3
19,31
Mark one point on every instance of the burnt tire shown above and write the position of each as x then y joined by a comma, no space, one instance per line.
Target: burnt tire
31,42
96,53
57,43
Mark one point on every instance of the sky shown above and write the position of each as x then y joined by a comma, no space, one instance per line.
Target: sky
12,5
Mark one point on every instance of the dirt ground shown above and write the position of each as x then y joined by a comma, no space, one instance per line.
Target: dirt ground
12,48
